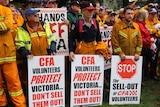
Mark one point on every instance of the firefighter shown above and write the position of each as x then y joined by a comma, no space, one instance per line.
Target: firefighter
126,37
8,60
85,31
34,39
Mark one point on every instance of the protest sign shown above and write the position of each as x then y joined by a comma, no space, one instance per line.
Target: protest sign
125,83
87,75
55,17
46,81
106,37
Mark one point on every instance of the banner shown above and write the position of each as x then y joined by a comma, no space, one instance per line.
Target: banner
46,81
106,37
87,75
55,17
125,83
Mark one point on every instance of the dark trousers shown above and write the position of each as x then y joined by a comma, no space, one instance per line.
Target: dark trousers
146,53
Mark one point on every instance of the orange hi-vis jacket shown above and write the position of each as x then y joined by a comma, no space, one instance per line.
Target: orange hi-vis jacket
126,39
7,48
101,21
150,27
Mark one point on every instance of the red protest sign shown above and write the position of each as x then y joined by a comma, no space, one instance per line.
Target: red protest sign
127,68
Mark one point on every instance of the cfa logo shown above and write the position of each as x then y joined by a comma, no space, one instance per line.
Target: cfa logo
126,68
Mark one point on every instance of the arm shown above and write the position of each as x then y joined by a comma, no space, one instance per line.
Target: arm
115,42
7,20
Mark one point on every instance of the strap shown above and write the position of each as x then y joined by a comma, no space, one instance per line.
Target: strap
94,23
80,25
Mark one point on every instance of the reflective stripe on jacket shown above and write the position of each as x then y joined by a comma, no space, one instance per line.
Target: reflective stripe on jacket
25,39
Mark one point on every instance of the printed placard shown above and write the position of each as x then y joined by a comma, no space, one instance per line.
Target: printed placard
55,17
125,83
106,37
46,81
87,75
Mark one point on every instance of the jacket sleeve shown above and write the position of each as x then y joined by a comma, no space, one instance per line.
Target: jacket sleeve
53,46
23,52
98,37
50,36
72,36
115,41
139,42
6,19
21,43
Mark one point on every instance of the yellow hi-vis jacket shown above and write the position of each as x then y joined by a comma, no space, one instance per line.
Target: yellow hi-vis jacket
126,39
7,47
36,43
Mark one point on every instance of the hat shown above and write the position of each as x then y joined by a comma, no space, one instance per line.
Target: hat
87,5
137,7
75,2
31,11
152,10
49,1
103,8
112,13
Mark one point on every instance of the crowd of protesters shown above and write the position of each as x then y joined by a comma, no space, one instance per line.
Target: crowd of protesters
134,25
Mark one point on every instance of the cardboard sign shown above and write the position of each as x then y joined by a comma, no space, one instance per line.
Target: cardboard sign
55,17
46,81
106,37
125,85
87,75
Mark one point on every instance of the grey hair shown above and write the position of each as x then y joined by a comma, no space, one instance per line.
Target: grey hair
142,15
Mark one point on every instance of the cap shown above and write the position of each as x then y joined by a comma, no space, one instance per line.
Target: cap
31,11
49,1
87,5
152,10
137,7
75,2
103,7
112,13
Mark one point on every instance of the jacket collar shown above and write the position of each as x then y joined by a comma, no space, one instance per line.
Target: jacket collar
131,25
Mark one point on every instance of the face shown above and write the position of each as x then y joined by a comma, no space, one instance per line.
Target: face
129,15
152,15
53,5
101,12
87,13
14,11
112,17
33,18
75,8
97,8
4,2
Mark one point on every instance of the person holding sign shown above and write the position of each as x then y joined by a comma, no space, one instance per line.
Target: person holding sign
85,31
34,39
8,60
126,37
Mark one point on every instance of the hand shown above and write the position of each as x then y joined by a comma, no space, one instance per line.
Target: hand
105,26
53,53
136,57
71,56
123,57
29,56
66,22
